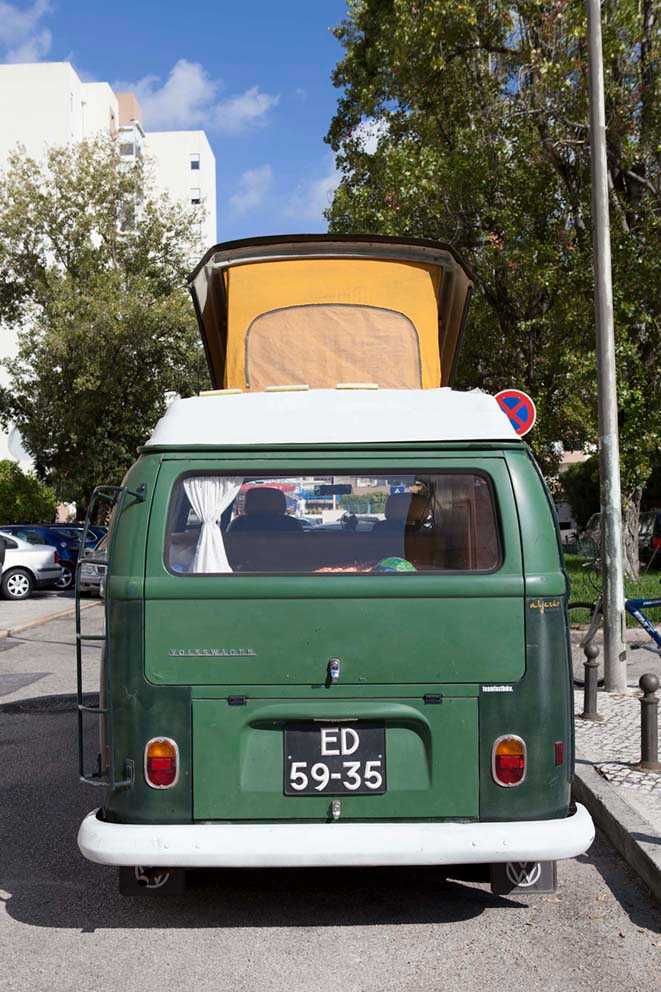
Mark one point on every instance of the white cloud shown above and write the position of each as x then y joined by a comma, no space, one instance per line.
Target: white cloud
190,97
311,198
20,31
182,101
254,185
240,112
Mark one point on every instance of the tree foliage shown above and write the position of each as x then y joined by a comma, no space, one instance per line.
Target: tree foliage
92,282
468,122
580,485
23,498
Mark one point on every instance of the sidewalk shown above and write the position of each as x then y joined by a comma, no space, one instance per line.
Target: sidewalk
624,801
39,608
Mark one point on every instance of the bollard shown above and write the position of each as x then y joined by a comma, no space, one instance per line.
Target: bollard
649,726
591,666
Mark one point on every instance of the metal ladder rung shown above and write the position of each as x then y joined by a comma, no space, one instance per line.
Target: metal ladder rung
112,494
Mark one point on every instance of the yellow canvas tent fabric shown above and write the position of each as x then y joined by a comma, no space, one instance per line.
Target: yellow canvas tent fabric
325,320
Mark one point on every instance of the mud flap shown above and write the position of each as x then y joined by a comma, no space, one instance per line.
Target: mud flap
524,878
142,881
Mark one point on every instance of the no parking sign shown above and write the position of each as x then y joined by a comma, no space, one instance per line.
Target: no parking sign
519,408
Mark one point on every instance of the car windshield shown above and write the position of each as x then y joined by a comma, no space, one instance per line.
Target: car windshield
360,524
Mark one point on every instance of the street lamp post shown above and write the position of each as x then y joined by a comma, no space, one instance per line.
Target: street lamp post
615,659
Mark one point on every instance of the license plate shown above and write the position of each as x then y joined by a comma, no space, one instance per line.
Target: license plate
335,759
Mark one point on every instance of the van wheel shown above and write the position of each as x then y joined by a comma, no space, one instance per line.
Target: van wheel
16,583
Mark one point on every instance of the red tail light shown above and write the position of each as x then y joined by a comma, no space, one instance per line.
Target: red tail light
57,559
656,543
161,763
508,760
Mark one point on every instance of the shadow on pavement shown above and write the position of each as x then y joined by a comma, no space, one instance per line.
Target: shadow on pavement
631,893
48,883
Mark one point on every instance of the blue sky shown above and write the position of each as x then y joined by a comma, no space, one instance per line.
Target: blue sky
255,76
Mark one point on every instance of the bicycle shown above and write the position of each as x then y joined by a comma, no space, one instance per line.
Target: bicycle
581,611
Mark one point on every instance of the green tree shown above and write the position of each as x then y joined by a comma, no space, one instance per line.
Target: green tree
580,485
479,113
363,502
23,498
93,283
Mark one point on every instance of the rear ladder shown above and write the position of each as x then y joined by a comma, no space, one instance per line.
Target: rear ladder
111,494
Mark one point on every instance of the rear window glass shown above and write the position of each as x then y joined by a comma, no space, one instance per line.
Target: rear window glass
373,524
31,536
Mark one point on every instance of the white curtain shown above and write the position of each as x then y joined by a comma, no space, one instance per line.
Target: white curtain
209,497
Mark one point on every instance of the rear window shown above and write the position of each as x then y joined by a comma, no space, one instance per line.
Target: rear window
31,536
372,524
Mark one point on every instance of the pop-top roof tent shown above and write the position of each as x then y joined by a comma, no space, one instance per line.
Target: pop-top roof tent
320,310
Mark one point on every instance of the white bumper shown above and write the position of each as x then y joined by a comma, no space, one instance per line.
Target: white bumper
307,845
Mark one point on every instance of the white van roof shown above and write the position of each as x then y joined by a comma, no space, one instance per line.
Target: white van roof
346,415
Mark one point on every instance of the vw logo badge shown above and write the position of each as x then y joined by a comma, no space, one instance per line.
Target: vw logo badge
523,873
151,881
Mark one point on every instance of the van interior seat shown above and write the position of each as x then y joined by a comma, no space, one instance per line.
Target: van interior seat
403,510
265,509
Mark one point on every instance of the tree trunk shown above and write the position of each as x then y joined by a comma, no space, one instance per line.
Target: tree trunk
630,527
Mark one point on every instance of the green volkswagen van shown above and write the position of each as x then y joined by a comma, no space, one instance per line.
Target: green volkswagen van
336,625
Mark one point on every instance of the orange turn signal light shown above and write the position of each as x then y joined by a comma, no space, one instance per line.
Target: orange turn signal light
508,760
161,763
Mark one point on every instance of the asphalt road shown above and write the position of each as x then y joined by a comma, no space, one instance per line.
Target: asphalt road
63,925
41,660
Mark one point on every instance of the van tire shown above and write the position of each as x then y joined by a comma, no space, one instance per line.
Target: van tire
17,583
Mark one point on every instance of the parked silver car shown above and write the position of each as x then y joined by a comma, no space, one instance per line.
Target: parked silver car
93,574
26,567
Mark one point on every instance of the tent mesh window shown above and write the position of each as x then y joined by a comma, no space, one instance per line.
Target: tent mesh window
326,344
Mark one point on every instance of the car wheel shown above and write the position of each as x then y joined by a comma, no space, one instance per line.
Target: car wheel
16,584
66,579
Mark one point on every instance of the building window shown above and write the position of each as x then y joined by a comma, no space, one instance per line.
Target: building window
195,195
195,161
127,149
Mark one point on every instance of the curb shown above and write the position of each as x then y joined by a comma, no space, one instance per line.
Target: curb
629,833
70,610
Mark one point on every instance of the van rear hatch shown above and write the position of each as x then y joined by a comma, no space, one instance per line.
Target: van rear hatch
357,665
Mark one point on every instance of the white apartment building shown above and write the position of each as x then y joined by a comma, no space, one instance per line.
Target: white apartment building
185,168
46,104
